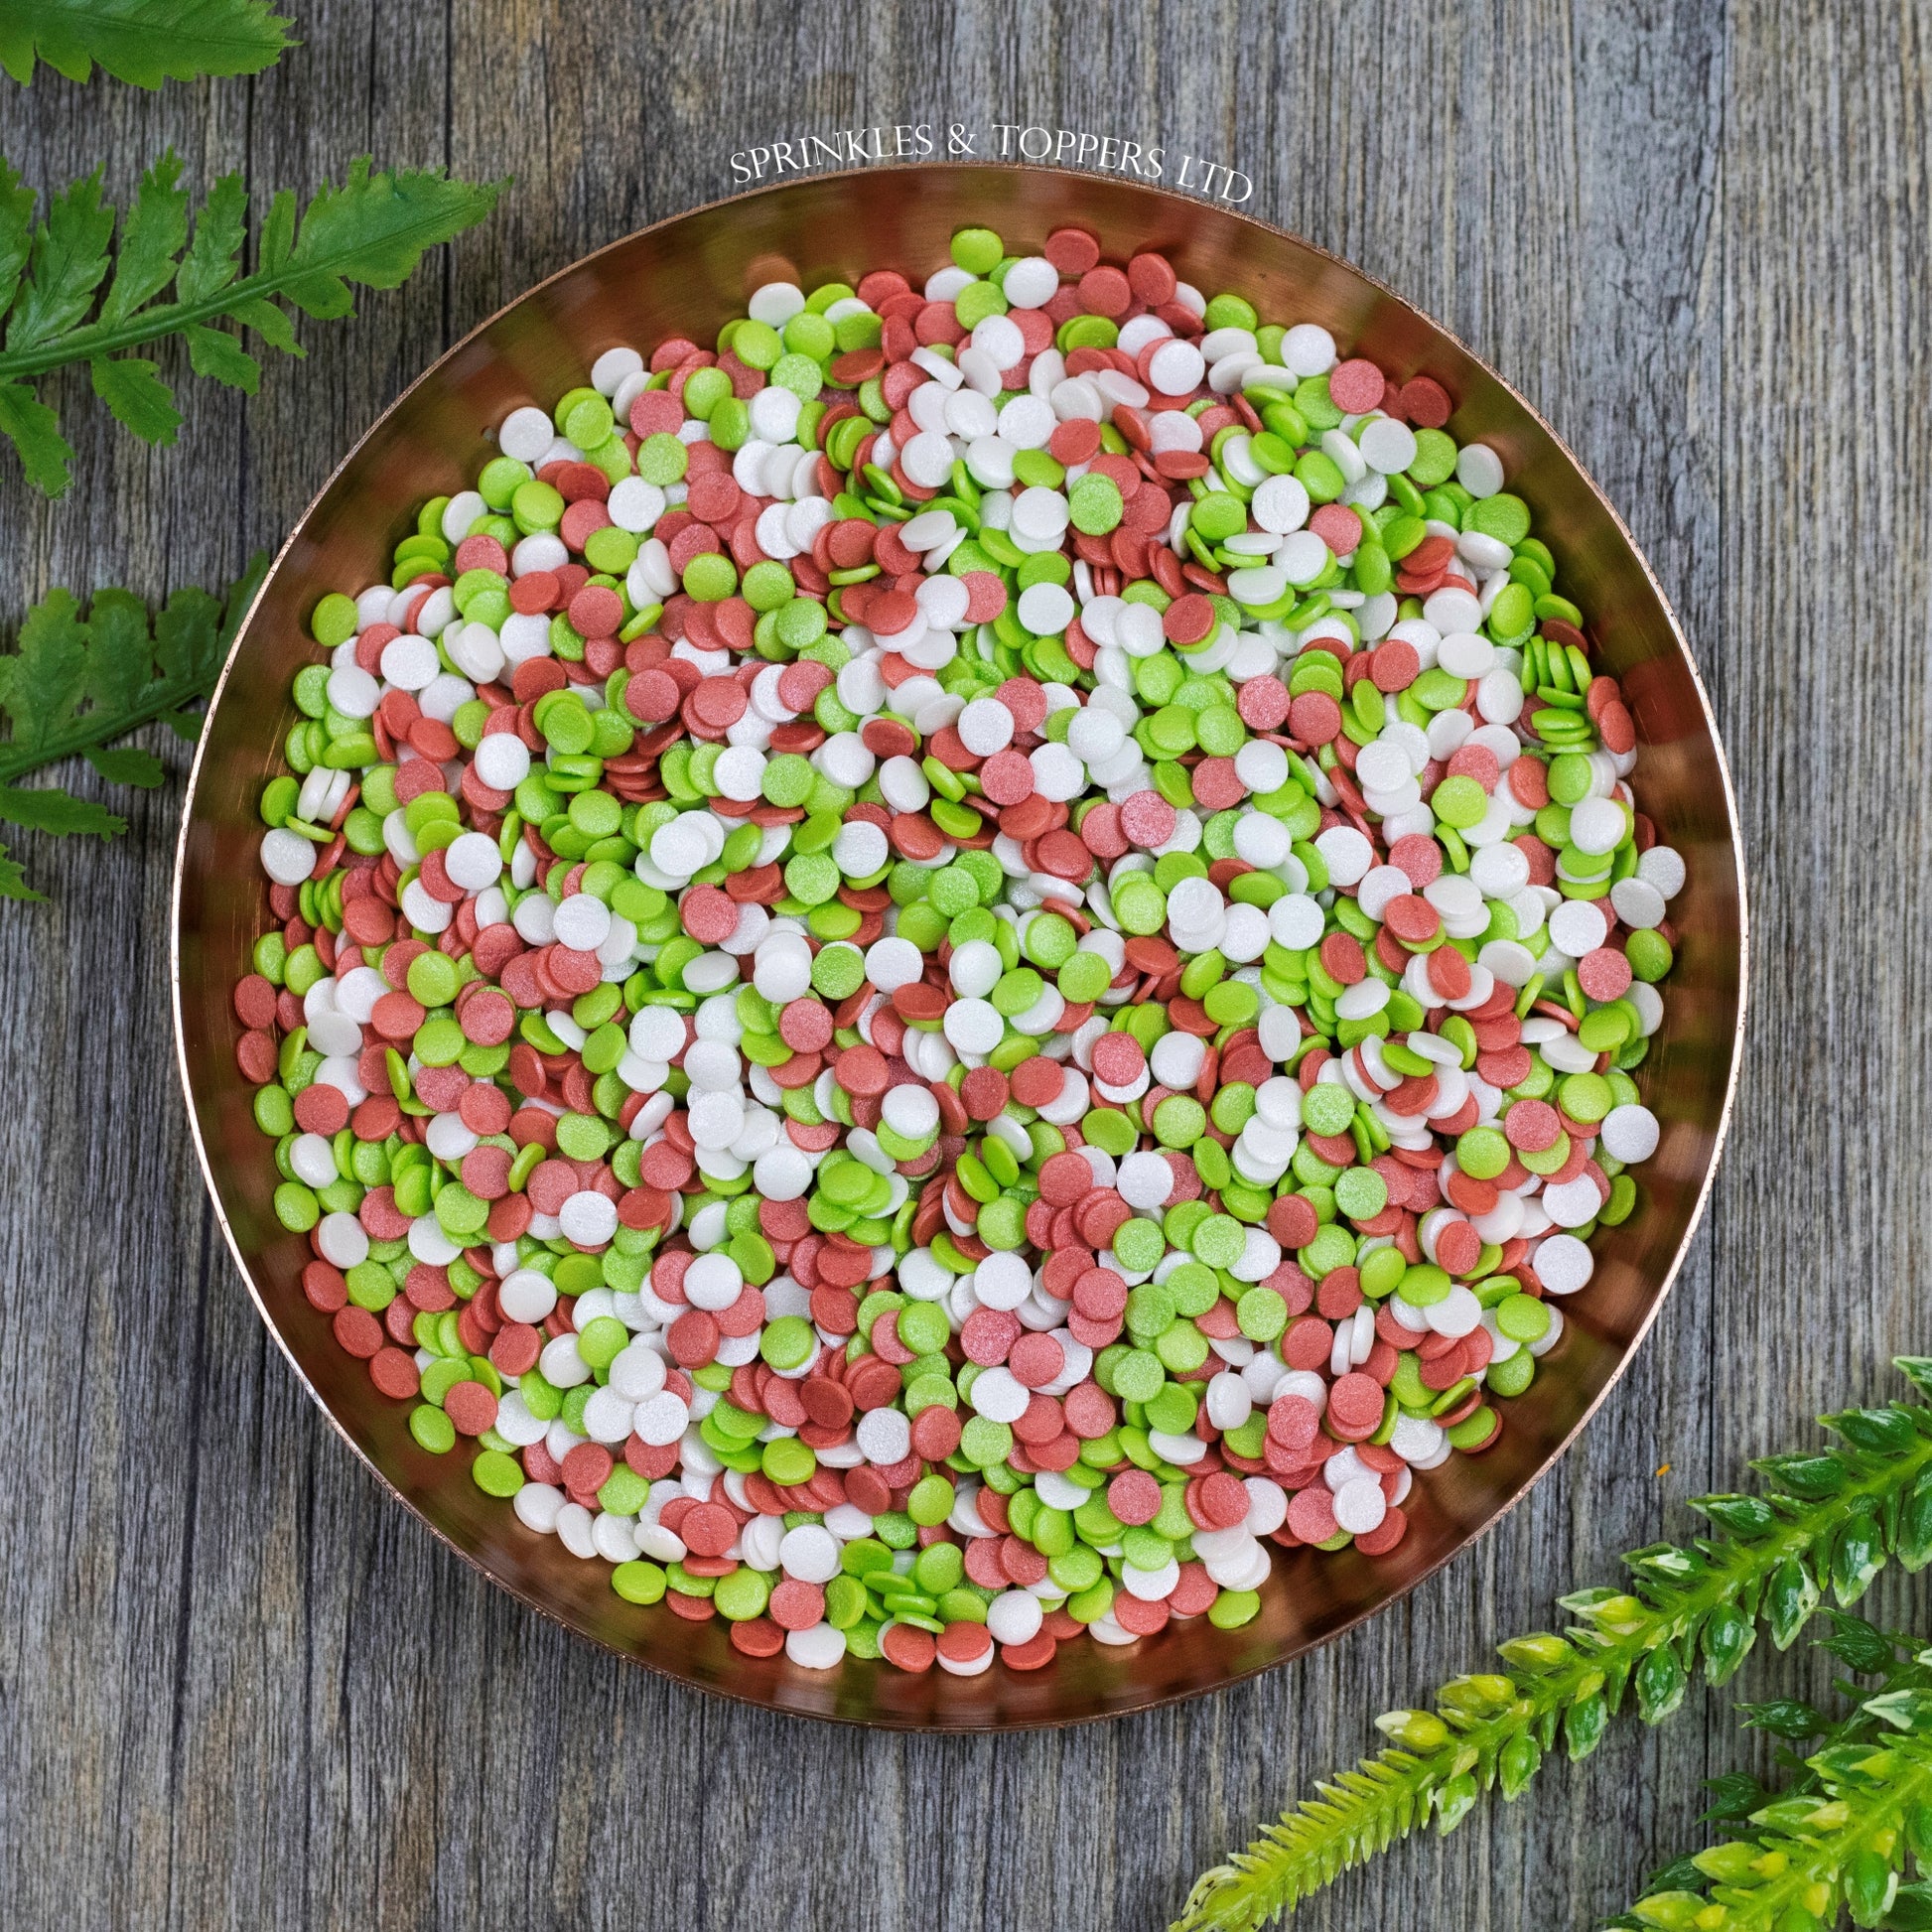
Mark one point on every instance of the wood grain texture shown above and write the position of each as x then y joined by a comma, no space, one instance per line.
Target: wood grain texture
238,1688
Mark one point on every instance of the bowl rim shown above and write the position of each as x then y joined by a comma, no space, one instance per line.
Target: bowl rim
1237,1673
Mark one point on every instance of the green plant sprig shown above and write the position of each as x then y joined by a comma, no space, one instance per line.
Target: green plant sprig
142,41
372,230
1839,1843
76,682
1829,1520
1893,1656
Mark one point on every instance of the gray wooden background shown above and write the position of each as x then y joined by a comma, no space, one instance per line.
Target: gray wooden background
238,1687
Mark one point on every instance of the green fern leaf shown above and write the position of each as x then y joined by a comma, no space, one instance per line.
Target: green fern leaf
141,41
214,353
127,764
68,262
133,391
13,880
50,809
213,257
372,231
152,238
16,231
34,431
77,682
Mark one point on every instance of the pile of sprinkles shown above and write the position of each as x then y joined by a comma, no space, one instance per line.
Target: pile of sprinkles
940,970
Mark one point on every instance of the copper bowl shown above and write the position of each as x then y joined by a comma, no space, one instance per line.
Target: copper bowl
688,276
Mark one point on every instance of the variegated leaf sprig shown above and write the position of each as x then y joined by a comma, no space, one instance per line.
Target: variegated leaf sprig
1826,1520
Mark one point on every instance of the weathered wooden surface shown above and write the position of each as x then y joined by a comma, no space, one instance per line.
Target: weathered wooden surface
238,1687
